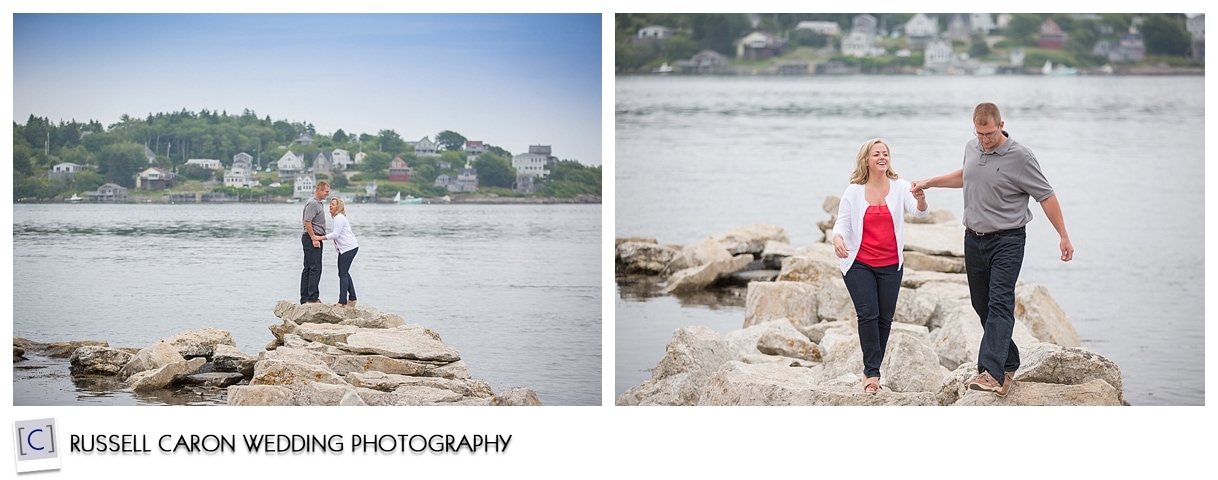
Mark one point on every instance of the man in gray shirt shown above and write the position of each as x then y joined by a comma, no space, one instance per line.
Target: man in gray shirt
314,227
999,176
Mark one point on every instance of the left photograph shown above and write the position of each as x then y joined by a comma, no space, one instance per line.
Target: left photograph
307,209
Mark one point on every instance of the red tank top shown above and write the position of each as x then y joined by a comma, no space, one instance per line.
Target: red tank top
879,247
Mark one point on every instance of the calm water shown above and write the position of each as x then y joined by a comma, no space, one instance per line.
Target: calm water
695,156
516,289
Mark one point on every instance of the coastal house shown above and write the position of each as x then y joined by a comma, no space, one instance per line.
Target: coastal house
109,192
238,177
652,35
442,165
524,183
425,148
399,171
860,44
823,28
155,178
1130,48
323,162
208,163
243,160
303,139
64,171
148,153
359,158
290,165
467,180
982,23
937,58
1196,29
705,61
1051,36
921,29
865,23
442,180
304,186
759,45
958,27
474,147
531,164
341,158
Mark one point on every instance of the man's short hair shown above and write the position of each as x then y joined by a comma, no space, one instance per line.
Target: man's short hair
321,184
986,113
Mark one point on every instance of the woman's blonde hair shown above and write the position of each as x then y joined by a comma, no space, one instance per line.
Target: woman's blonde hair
861,173
342,207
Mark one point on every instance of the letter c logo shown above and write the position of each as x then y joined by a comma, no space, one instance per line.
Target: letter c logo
30,436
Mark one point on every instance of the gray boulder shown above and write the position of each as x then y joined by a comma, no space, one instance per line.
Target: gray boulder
750,239
200,343
1043,316
1024,393
95,360
700,277
691,355
165,376
228,358
410,342
644,258
793,301
151,357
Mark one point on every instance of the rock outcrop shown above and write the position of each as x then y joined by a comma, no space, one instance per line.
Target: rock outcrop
798,343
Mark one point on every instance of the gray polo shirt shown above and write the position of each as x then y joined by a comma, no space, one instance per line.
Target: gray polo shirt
314,213
997,186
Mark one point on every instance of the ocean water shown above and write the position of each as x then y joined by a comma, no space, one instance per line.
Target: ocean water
516,289
1125,155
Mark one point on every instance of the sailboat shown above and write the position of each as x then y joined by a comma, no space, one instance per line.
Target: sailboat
1059,70
409,200
662,69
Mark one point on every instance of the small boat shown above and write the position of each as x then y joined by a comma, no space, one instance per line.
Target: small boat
75,199
409,200
1060,70
662,69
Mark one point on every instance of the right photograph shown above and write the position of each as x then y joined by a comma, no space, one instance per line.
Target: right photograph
909,209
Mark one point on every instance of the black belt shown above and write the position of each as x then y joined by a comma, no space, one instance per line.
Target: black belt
997,232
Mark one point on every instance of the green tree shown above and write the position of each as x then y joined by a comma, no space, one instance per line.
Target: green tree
978,47
196,172
87,180
494,171
120,162
376,163
390,142
1166,35
340,136
1024,27
450,140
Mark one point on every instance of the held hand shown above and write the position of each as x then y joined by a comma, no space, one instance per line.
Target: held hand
839,247
316,244
917,186
919,194
1067,250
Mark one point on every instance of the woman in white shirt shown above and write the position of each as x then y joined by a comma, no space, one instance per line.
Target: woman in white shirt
868,239
344,242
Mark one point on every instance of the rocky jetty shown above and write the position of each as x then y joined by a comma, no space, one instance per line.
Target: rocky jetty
320,355
798,343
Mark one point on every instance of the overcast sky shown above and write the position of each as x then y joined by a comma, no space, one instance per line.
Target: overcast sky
510,80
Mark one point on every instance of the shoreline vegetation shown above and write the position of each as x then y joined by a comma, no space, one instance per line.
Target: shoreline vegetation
814,44
460,200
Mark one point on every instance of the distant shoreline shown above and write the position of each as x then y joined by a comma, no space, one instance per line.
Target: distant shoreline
580,200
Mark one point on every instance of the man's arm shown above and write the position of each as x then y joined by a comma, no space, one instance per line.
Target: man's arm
1053,211
951,180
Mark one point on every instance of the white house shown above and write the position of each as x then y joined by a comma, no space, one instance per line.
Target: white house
243,160
322,163
425,148
865,23
921,29
359,158
982,23
341,158
938,55
474,147
304,186
858,44
238,177
823,28
290,164
65,170
655,32
206,163
531,164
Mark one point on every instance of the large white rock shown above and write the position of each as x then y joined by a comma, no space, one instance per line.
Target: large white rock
326,394
914,307
94,360
935,239
228,358
291,374
959,339
934,263
410,342
309,312
201,342
344,364
165,376
738,383
260,395
1094,393
770,301
700,277
690,356
151,357
1043,316
706,251
781,338
1050,363
644,258
909,364
750,239
327,333
833,302
814,270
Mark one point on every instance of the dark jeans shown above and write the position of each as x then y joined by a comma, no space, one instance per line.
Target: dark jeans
992,262
310,277
874,292
346,288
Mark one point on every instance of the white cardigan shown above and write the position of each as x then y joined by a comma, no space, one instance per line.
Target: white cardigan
850,217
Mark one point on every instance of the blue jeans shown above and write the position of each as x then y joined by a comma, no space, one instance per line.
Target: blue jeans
346,288
310,277
874,292
992,262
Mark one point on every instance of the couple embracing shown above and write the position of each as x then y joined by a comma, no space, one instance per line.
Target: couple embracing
998,177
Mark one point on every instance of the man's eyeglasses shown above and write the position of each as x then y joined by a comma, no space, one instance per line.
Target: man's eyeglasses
988,136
